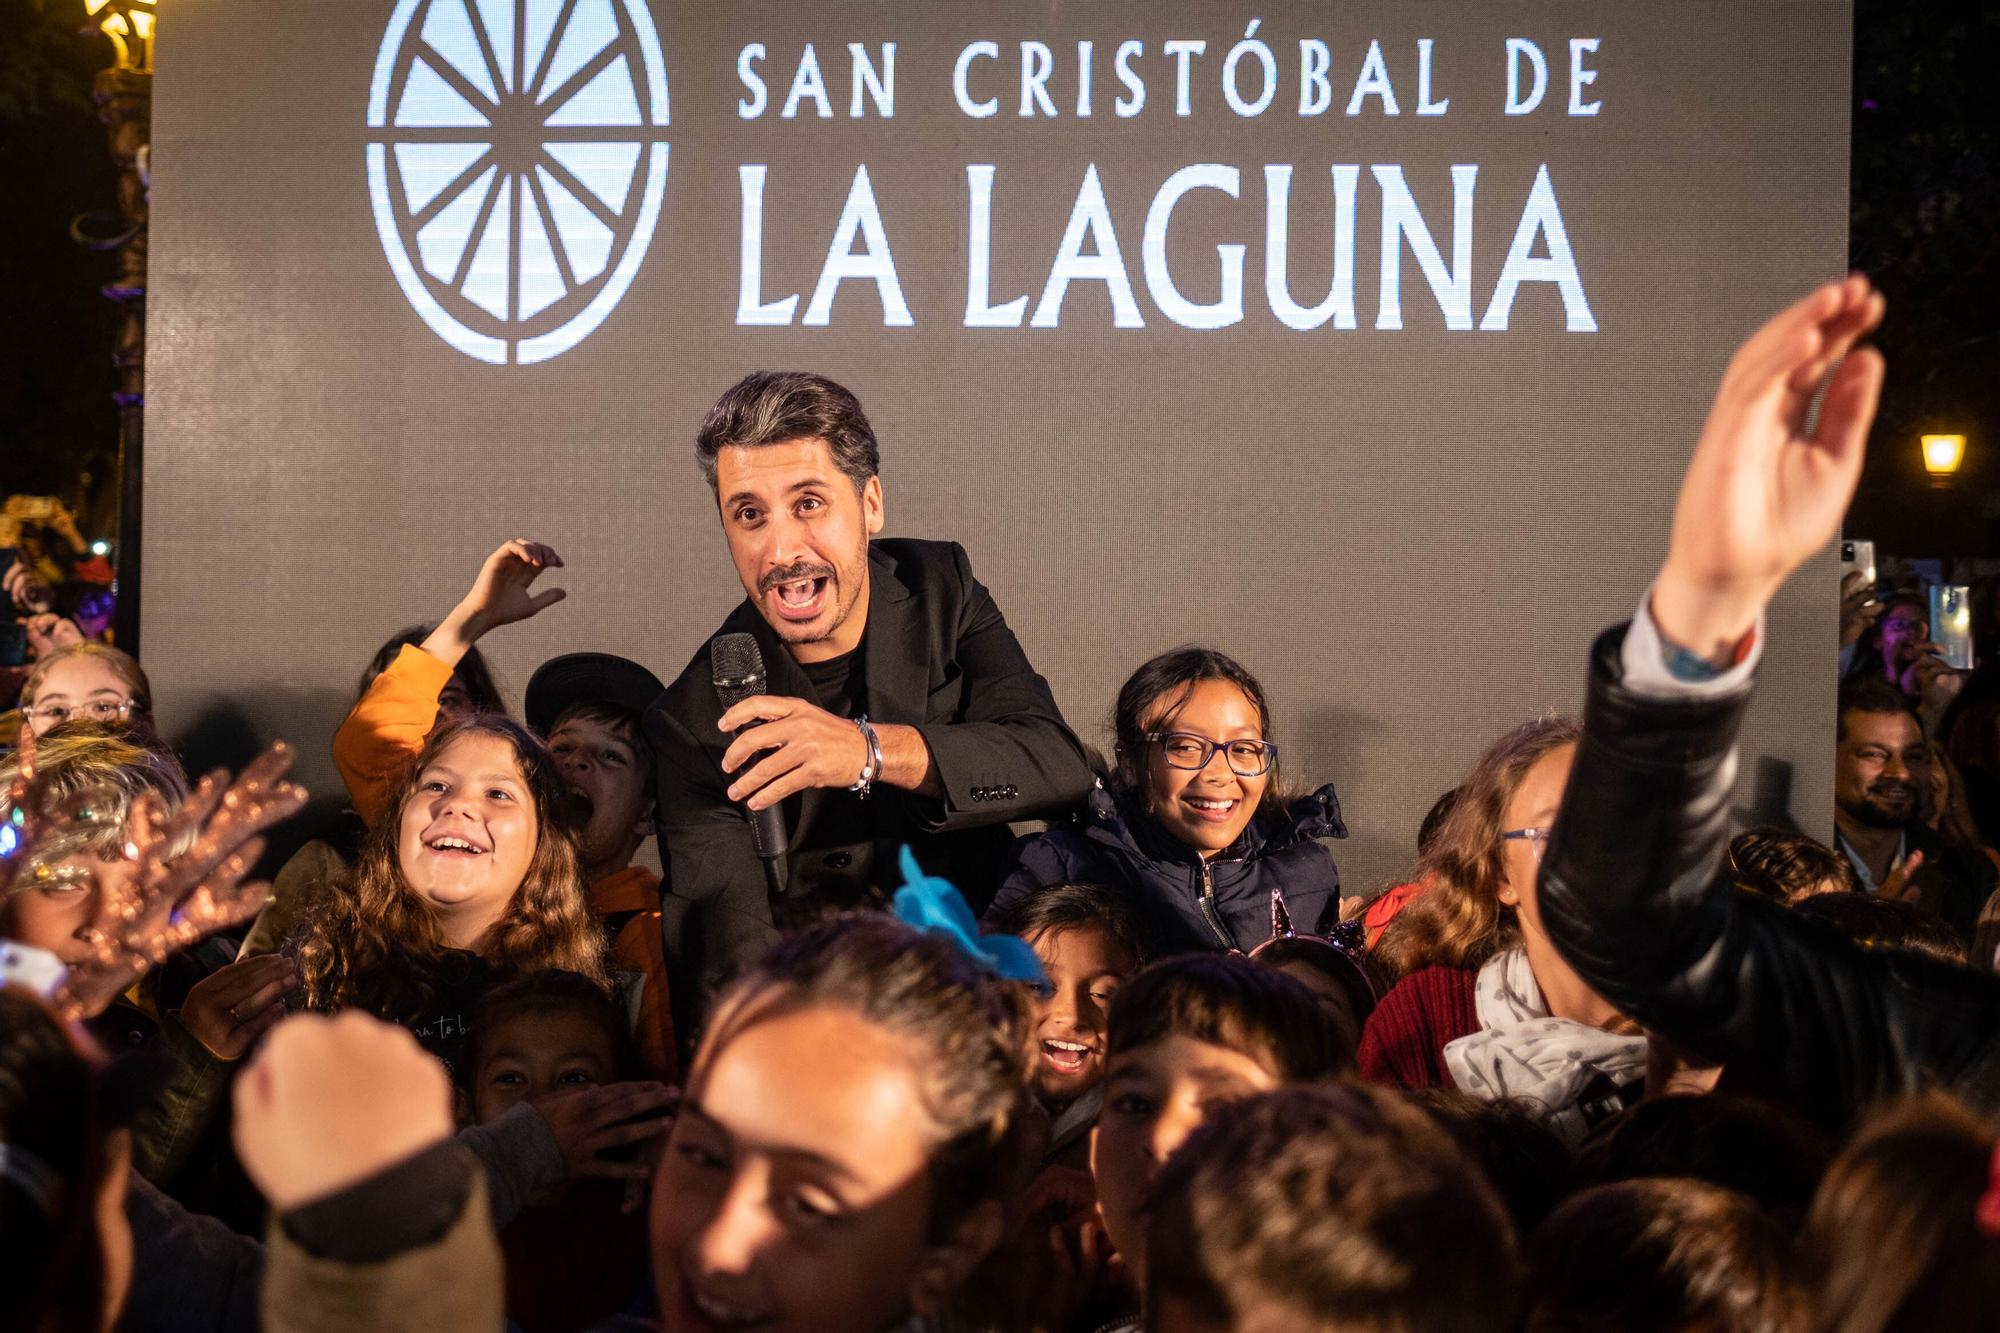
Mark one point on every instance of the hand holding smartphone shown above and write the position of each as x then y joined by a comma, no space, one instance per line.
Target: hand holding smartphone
1951,624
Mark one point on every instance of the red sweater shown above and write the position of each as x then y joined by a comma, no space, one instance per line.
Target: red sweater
1404,1040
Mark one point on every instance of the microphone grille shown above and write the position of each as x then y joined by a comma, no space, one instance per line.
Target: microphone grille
734,658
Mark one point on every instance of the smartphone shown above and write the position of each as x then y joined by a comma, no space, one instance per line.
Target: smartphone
13,644
1951,624
1858,555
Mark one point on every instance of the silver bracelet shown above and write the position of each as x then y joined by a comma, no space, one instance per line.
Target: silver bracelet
871,768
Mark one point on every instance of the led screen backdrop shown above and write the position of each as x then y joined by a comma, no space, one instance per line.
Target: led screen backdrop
1363,341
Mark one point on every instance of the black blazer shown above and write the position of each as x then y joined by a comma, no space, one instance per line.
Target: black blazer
938,656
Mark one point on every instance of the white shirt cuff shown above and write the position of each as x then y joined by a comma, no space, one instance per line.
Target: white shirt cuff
1645,661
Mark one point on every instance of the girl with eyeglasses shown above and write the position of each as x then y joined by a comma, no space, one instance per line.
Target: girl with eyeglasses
1194,822
90,681
1486,1006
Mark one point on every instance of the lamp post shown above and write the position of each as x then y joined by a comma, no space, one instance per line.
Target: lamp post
124,95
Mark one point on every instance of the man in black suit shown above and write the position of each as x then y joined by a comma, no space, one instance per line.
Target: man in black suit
899,707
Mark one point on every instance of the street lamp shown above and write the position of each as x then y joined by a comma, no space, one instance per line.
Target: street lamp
129,25
124,95
1943,454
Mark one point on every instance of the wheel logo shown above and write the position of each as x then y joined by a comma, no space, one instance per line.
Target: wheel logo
516,161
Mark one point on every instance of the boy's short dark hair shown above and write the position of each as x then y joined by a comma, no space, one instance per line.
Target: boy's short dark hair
623,722
1782,865
1226,1000
1521,1157
776,406
1771,1155
549,991
1061,907
1884,923
1334,1206
1650,1256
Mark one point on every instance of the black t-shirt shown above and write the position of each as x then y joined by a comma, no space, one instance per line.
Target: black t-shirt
842,689
840,684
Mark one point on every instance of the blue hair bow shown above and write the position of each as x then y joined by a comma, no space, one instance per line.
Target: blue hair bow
936,907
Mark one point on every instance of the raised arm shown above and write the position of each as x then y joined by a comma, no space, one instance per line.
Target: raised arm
387,726
1631,889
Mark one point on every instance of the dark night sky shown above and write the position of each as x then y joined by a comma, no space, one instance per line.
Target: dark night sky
57,423
1925,224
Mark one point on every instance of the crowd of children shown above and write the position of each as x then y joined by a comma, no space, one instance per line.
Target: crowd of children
436,1077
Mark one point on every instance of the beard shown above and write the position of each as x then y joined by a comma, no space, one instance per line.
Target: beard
842,594
1885,805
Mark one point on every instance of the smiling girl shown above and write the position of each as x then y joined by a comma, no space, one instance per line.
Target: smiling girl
90,681
839,1156
1487,1005
1195,823
472,873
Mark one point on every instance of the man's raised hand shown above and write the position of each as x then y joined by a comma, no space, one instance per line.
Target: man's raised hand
1761,496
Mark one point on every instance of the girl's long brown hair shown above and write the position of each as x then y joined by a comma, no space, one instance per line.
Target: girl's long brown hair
1459,921
374,944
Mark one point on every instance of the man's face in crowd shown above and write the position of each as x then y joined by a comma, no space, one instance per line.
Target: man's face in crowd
1880,766
798,532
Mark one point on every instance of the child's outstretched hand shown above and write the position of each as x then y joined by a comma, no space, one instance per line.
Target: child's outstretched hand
189,884
502,594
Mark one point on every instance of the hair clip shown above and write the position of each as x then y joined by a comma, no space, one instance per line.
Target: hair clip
1349,937
936,907
1987,1214
1281,917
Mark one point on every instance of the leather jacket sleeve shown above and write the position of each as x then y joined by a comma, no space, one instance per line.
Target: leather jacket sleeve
1633,893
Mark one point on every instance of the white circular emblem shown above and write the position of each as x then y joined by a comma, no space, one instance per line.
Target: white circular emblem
517,156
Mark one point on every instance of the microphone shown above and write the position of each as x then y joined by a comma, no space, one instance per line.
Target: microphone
737,668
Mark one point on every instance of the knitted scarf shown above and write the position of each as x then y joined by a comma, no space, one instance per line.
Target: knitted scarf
1521,1053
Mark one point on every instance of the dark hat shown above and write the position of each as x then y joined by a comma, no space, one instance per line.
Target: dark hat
588,678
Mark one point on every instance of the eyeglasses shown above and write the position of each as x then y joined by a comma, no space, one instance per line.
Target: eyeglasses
1905,625
1536,838
1184,749
97,710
